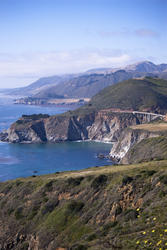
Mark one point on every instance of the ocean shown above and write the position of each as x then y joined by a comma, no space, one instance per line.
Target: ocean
22,160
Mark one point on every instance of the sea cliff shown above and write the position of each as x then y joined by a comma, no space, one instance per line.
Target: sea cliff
106,126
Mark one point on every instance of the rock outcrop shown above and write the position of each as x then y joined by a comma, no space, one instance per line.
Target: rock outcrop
128,138
102,125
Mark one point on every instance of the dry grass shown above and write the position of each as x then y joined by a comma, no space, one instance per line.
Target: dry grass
124,169
151,127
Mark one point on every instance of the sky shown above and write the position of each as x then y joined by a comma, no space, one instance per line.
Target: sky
48,37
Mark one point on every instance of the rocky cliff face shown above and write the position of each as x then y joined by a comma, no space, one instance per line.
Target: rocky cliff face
128,138
102,125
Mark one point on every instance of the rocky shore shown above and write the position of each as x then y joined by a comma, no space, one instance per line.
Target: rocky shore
105,126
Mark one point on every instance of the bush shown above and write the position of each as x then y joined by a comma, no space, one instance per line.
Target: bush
108,226
99,181
163,179
49,206
74,181
130,214
35,116
91,237
78,247
126,179
25,246
33,212
74,206
49,186
19,213
150,172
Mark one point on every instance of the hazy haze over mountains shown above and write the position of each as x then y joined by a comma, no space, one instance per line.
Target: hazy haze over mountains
90,82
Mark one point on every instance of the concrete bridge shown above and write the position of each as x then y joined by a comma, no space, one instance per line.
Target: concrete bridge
153,116
150,116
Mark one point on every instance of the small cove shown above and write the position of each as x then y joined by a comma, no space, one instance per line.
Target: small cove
22,160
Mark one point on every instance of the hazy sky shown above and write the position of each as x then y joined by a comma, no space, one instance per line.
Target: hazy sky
47,37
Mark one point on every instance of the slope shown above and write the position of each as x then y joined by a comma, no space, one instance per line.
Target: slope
121,207
149,94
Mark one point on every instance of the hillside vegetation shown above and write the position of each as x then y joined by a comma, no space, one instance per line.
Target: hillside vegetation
147,150
113,207
149,94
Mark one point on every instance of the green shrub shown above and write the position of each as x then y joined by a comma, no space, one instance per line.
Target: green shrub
163,179
33,212
126,179
19,213
74,206
99,181
49,206
91,237
150,172
25,246
49,186
35,116
74,181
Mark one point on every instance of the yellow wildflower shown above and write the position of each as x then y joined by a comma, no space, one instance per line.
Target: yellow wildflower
165,230
137,242
153,230
161,235
145,241
166,244
159,242
144,232
154,218
138,209
138,216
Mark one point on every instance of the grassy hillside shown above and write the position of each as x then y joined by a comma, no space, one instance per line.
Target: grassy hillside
148,149
113,207
145,94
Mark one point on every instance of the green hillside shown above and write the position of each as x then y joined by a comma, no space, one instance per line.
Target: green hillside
147,150
111,207
149,94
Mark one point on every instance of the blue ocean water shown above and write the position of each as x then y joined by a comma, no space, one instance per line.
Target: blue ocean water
21,160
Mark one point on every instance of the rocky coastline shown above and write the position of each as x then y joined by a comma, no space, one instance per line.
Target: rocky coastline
104,126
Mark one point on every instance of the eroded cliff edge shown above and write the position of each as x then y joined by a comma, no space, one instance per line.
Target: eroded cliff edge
97,125
143,142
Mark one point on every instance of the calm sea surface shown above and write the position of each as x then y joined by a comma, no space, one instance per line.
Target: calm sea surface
21,160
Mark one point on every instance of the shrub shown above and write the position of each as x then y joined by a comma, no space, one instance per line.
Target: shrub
91,237
79,247
19,213
99,181
49,186
163,179
33,212
126,179
35,116
74,206
74,181
49,206
25,246
150,172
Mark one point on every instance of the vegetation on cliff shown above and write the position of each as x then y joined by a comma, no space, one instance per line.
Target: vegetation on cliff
147,150
99,208
148,94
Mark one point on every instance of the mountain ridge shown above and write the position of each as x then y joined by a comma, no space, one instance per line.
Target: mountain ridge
90,82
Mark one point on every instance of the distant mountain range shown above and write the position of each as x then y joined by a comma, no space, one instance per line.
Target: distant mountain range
88,83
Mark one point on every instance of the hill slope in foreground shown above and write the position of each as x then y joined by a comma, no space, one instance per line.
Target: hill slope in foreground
113,207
